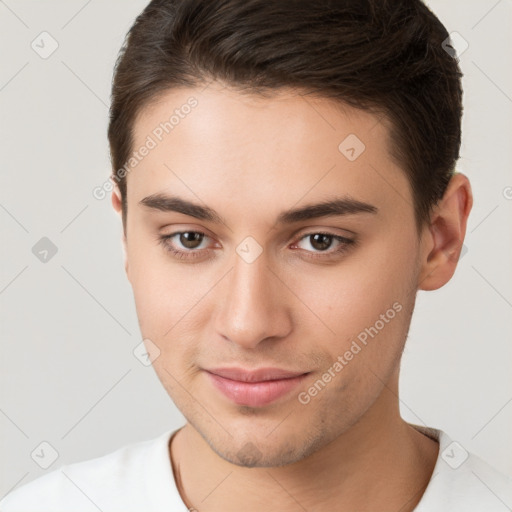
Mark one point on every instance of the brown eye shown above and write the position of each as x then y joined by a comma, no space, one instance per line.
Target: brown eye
186,245
320,241
190,239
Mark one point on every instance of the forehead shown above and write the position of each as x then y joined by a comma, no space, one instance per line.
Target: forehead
232,149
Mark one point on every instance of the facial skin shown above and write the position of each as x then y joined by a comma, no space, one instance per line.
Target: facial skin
249,159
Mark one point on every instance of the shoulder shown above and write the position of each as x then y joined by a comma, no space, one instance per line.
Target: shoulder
462,481
113,480
474,486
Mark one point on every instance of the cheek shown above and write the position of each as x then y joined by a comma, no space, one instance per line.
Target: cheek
173,298
352,295
162,292
366,302
168,303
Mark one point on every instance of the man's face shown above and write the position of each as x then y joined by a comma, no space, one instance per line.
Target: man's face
255,293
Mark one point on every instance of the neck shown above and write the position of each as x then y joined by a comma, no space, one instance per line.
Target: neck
380,463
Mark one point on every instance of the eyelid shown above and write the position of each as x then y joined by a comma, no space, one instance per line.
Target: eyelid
344,242
313,230
296,236
185,228
322,232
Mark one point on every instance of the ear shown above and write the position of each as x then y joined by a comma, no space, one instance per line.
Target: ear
442,239
117,204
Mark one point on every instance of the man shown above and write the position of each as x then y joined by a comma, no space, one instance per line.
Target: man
284,174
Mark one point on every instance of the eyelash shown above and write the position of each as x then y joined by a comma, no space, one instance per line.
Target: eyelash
193,254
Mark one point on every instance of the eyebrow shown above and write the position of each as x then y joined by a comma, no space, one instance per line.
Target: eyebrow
338,206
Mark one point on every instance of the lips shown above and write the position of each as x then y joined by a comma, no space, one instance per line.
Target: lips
260,375
254,388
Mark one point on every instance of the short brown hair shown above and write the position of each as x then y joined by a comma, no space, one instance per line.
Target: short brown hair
383,56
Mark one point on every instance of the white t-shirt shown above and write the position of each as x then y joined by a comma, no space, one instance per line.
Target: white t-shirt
139,477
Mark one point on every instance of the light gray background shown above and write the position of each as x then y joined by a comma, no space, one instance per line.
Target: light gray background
68,326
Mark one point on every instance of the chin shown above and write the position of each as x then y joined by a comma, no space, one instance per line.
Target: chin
264,451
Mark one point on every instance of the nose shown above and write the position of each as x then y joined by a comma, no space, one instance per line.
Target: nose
253,304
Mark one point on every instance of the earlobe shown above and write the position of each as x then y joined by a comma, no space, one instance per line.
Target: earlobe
117,204
116,199
125,257
444,237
